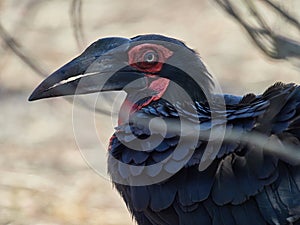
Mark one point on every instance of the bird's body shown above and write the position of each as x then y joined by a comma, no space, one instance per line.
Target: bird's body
243,185
156,170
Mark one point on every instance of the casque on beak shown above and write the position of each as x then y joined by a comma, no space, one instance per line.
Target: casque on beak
103,66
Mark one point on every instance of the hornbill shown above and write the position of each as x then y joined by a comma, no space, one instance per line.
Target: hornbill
162,159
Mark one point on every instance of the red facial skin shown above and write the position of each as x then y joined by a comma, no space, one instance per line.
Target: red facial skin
137,59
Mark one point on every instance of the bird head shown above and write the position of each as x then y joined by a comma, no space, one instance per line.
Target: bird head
146,65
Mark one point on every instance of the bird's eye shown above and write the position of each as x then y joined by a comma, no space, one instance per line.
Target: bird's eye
150,57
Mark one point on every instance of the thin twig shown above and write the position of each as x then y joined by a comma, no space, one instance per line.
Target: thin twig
283,13
12,44
272,44
76,21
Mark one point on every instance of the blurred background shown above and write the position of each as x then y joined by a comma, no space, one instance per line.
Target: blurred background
43,178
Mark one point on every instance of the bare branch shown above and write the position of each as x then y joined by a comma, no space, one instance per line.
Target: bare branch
283,13
272,44
76,21
12,44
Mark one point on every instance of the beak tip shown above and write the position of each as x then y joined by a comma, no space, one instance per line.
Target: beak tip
31,98
34,96
37,94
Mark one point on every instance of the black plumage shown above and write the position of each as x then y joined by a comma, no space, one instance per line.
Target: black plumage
241,181
161,183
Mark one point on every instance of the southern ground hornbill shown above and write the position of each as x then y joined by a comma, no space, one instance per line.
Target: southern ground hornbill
163,159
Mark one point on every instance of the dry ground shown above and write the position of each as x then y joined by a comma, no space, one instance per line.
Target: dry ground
43,178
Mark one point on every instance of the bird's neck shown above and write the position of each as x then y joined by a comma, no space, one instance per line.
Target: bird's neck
158,89
137,99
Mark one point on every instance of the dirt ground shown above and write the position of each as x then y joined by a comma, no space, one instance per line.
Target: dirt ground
43,178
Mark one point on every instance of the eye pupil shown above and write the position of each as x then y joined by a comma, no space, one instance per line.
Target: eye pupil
150,57
147,59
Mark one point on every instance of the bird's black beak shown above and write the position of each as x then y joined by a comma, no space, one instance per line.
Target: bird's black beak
103,66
